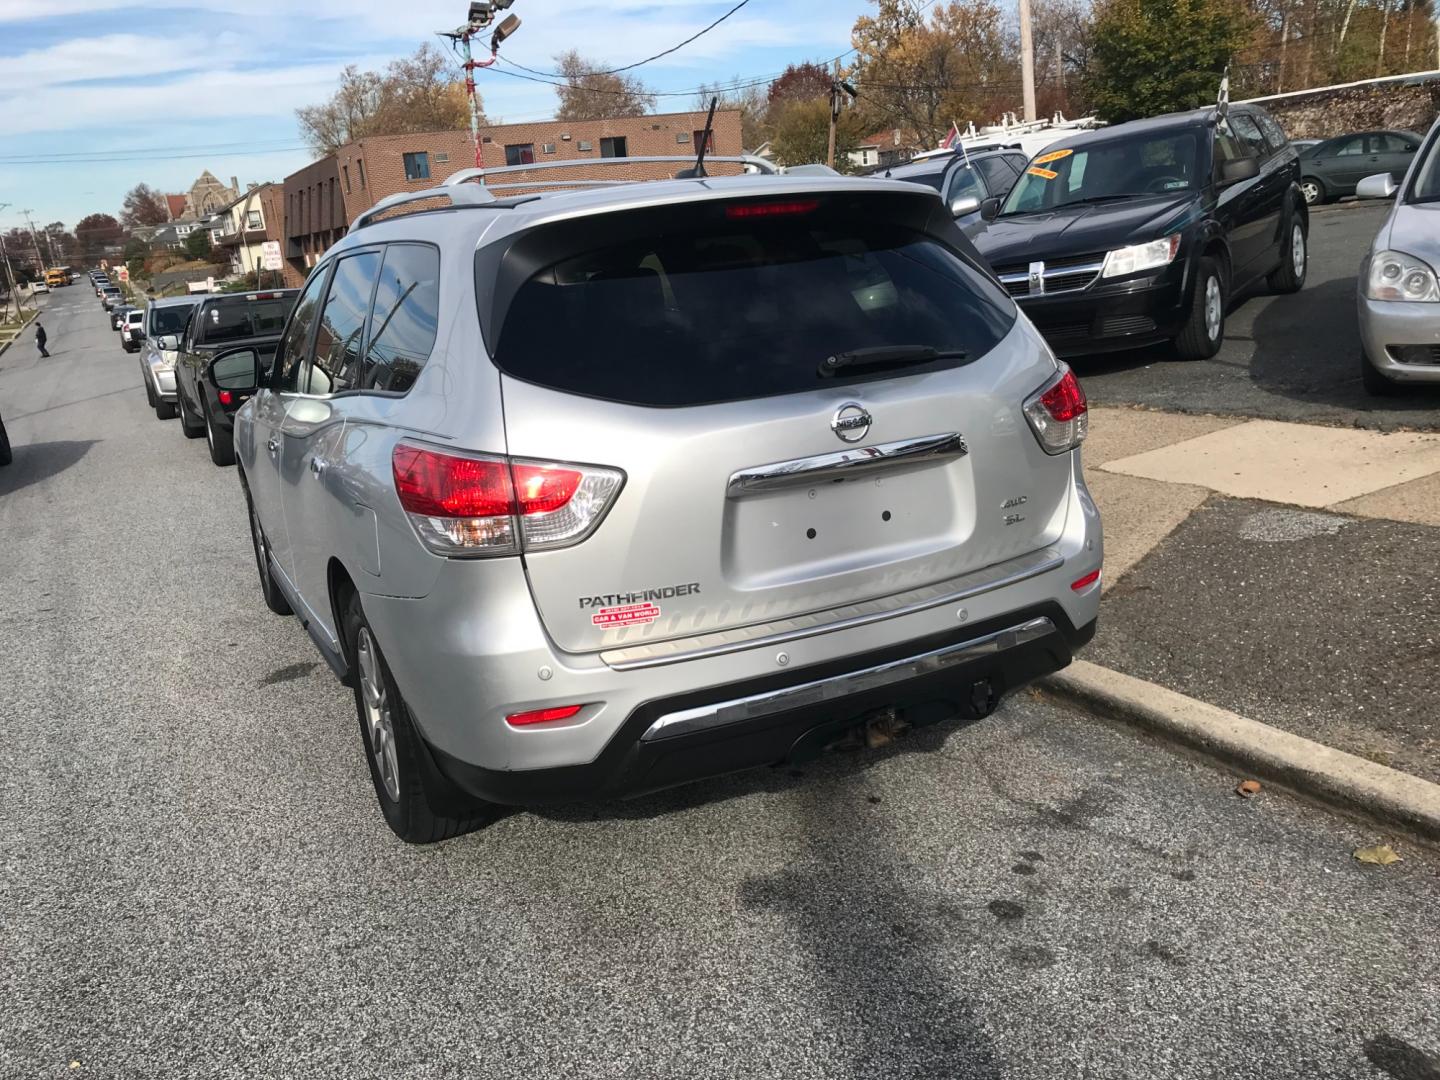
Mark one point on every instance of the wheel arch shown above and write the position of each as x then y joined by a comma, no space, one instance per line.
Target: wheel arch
339,586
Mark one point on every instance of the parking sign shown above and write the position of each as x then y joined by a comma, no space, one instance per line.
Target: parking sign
270,255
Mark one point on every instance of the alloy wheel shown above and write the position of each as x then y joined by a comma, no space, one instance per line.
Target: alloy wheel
1214,308
1311,191
376,705
1297,249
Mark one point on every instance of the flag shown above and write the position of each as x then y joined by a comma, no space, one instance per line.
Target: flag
1222,100
951,139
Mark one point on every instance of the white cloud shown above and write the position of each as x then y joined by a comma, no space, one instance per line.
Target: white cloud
78,60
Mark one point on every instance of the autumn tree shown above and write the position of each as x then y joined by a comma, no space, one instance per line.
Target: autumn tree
143,205
802,133
925,73
799,82
95,232
591,93
423,92
1158,56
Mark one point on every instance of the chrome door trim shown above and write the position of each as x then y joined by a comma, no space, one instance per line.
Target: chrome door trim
719,642
719,714
845,464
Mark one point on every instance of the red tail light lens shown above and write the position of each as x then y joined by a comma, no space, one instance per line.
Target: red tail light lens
1086,581
543,716
478,505
748,211
1058,413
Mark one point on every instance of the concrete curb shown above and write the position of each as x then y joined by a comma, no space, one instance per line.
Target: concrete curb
5,345
1340,780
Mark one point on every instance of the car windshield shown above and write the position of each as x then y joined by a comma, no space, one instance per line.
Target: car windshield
1157,164
1426,187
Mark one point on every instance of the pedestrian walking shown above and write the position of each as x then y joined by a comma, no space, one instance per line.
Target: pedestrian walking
40,336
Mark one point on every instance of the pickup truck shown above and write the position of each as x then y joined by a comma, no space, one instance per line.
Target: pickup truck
219,325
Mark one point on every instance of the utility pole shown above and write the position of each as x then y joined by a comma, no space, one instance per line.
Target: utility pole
34,239
9,275
834,115
482,14
1027,59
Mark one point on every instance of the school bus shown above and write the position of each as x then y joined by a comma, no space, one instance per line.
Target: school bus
55,276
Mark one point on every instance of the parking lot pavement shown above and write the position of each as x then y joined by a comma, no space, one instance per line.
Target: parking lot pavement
1284,358
196,881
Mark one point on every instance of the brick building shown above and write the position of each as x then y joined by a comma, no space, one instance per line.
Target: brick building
324,197
241,228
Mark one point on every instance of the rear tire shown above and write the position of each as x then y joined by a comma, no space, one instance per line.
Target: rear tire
164,410
269,589
1204,330
1313,190
150,398
5,454
1376,385
189,428
419,805
221,443
1289,276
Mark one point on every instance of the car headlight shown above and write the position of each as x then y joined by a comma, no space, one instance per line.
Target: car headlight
1396,276
1138,257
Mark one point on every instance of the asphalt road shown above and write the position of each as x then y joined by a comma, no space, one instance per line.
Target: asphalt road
196,883
1285,357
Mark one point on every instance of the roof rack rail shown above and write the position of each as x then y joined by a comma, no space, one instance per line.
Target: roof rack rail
464,175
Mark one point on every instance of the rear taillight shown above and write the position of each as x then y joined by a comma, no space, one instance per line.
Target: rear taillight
543,716
468,505
1058,413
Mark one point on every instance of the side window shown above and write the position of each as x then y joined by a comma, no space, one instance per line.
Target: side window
404,319
1228,148
998,177
963,181
1017,163
336,364
1244,126
1351,147
1387,142
290,356
1274,133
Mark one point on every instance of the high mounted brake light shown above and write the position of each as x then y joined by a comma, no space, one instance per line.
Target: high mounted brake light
1058,412
474,504
746,211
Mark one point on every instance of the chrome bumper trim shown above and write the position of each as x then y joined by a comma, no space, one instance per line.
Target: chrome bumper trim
719,642
722,713
846,464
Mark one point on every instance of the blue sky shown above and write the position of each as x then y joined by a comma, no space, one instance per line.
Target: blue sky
179,86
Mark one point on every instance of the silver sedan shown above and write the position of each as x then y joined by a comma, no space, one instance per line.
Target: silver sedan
1397,289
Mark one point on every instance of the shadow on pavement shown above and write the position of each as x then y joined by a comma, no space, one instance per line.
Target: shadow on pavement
40,461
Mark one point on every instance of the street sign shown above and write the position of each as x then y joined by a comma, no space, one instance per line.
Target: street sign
124,273
270,255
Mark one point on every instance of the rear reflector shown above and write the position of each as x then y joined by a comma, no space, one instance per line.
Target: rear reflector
742,211
1086,581
484,505
1058,412
543,716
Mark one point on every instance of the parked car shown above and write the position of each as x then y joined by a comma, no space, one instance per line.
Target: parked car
118,313
110,296
225,321
1398,289
38,287
101,284
808,463
1333,168
165,321
1304,144
964,181
132,331
1141,233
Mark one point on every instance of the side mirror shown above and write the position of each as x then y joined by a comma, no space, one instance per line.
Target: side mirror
1245,168
990,208
964,204
1380,186
167,342
237,371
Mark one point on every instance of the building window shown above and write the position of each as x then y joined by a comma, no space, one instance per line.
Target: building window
520,154
547,148
345,169
585,146
613,147
442,159
682,136
700,137
486,139
417,166
252,220
361,165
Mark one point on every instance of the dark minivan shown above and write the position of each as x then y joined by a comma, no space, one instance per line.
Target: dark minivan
1141,233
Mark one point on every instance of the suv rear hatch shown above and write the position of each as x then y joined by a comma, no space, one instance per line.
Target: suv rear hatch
690,347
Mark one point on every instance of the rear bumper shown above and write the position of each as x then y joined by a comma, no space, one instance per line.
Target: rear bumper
161,378
765,721
1125,315
1401,340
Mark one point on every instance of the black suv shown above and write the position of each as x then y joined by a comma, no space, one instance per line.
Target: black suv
218,327
1142,233
963,180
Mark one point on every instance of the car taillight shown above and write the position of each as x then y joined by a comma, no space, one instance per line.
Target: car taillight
1058,413
542,716
789,208
226,397
469,505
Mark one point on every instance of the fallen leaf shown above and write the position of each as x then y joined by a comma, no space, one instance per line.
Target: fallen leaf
1379,855
1248,788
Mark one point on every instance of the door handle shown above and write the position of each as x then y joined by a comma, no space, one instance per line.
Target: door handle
317,466
272,446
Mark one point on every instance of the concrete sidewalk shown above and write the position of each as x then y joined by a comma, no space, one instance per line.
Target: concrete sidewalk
1285,572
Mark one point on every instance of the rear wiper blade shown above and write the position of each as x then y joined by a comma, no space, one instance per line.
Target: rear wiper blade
886,356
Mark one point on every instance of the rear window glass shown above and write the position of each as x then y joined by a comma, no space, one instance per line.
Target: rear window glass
928,173
726,311
233,322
